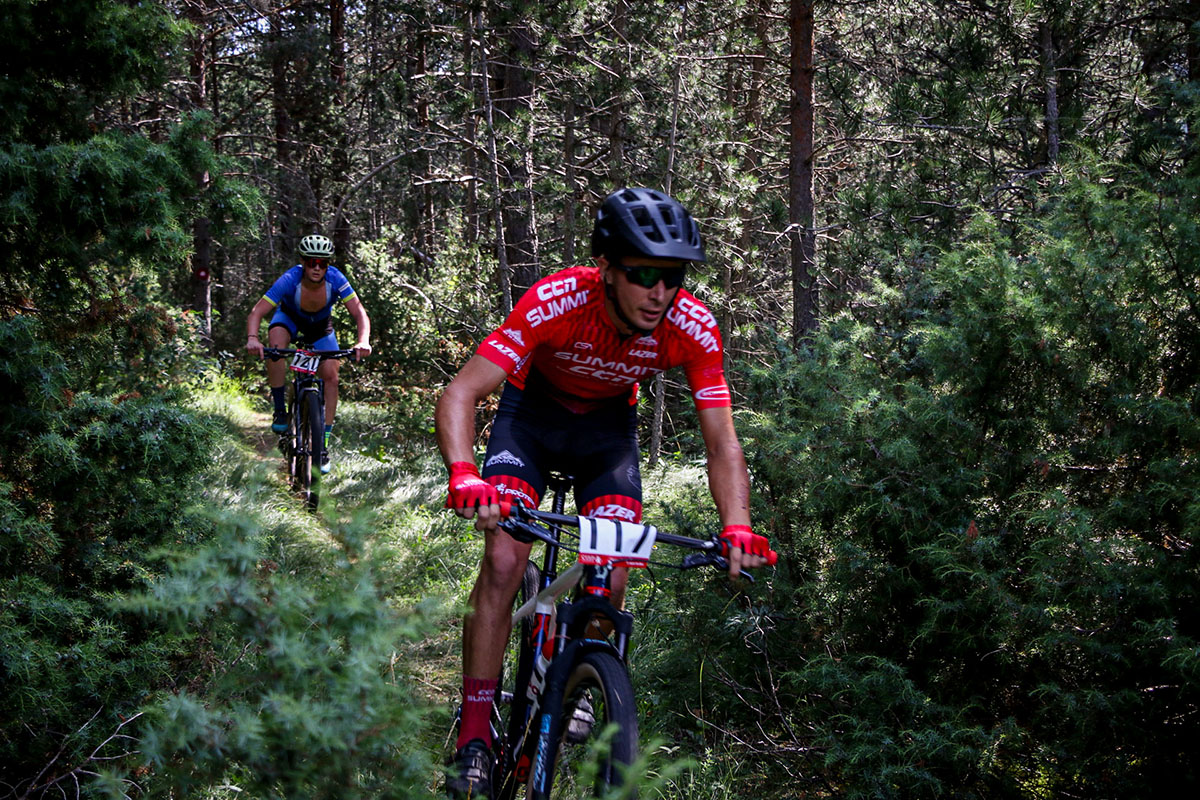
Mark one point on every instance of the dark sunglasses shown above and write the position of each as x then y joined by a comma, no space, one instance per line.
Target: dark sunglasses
316,262
648,277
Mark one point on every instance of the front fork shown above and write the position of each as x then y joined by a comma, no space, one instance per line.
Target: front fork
318,436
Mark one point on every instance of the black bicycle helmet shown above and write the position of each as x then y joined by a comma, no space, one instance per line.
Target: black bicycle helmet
644,222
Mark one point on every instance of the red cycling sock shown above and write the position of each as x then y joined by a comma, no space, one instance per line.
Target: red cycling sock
476,710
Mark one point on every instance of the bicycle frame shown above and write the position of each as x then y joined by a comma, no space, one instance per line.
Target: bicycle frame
291,443
559,636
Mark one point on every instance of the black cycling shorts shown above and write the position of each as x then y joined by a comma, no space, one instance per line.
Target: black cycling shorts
533,435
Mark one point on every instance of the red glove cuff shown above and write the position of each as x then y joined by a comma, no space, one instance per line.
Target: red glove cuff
459,468
467,489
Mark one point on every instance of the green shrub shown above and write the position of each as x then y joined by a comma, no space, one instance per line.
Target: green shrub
91,492
286,691
985,493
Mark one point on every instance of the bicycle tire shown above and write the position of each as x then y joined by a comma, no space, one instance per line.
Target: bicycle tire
313,440
597,760
512,701
290,441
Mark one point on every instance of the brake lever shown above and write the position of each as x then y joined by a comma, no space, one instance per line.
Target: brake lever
694,560
710,559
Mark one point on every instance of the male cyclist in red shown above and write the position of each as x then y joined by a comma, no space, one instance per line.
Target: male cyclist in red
303,299
571,355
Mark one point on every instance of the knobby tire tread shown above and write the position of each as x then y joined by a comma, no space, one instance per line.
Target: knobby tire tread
606,676
315,428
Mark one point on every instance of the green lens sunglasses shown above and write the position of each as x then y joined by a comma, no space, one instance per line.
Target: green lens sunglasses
648,277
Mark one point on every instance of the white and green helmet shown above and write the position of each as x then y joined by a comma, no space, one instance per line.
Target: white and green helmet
316,246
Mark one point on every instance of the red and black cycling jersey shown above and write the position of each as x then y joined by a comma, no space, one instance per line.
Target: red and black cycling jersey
560,328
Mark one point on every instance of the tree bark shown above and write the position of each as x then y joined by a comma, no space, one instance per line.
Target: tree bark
340,156
285,228
197,13
800,216
660,402
514,99
489,114
1191,23
471,216
1050,65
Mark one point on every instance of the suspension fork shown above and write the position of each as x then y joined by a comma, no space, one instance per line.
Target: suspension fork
543,642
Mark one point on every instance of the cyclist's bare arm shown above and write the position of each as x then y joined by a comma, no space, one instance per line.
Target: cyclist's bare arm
454,420
261,309
358,313
728,478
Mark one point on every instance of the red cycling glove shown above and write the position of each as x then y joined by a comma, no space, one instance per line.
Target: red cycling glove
467,489
748,542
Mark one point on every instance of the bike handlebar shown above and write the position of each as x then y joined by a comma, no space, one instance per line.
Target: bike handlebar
276,353
712,552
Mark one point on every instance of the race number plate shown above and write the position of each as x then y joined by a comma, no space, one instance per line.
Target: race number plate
621,544
305,362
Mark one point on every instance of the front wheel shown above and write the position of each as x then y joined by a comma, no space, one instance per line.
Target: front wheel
312,430
592,759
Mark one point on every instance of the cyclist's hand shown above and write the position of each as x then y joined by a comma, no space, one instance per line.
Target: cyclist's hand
361,351
745,549
470,493
254,347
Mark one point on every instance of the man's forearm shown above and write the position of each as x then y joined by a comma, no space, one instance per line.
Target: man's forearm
454,422
364,326
729,482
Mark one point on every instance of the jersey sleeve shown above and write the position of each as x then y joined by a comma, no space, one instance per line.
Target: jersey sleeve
340,283
706,379
704,363
281,288
510,345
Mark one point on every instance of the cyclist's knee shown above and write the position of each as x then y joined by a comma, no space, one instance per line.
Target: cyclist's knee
617,583
279,336
503,564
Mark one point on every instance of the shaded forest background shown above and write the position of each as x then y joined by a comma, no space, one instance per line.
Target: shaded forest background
954,251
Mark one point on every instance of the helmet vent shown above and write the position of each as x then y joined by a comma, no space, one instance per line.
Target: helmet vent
669,219
642,217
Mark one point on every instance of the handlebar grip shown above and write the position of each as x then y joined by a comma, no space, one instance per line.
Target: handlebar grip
772,556
506,507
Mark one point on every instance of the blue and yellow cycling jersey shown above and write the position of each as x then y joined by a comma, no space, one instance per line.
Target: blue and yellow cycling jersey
285,293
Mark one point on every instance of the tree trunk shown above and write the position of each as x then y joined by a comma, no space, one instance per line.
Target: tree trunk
570,202
339,159
1191,23
514,99
197,14
1050,65
656,427
286,226
489,113
471,215
800,216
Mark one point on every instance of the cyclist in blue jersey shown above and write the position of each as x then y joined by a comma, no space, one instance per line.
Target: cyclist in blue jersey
302,300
